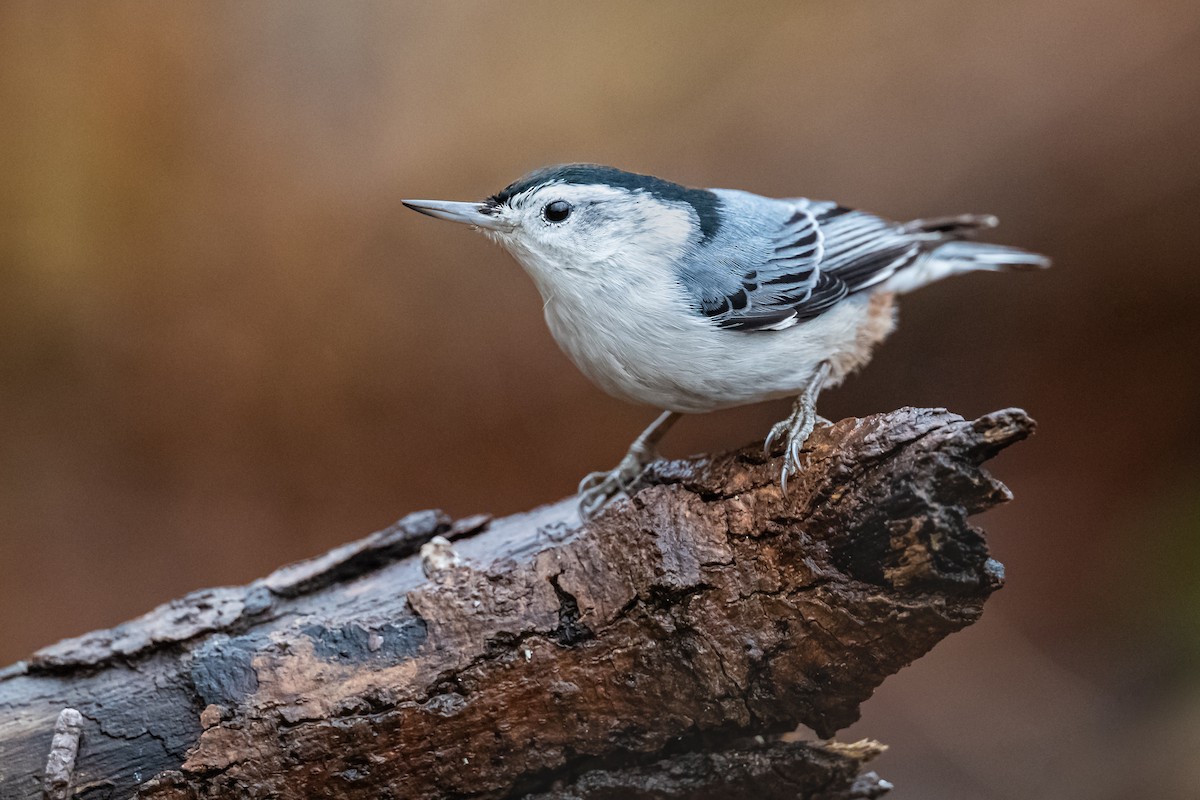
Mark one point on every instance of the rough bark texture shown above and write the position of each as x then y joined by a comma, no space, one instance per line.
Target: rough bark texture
613,659
776,771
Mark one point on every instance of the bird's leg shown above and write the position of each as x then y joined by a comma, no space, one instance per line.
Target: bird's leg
798,426
598,488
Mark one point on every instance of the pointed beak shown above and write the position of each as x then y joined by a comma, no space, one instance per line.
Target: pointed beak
481,215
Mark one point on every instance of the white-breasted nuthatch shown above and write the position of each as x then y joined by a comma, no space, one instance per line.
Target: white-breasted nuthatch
691,300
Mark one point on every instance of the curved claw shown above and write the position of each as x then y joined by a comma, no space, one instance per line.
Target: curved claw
591,481
791,462
593,500
796,429
596,489
777,430
793,453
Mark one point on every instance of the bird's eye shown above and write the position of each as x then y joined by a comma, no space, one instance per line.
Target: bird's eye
557,211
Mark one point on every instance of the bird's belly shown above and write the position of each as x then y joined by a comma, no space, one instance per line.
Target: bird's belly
694,367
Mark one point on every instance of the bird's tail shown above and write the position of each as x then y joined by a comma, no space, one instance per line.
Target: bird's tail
949,253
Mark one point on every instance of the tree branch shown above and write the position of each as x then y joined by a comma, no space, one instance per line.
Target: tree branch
519,655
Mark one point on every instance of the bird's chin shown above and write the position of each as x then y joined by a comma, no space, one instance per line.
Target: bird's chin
514,245
500,237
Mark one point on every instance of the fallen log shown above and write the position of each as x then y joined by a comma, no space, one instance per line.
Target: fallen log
532,655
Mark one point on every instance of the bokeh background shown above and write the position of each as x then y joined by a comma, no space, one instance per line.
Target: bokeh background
224,344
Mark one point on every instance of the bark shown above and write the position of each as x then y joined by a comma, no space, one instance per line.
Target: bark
776,771
535,655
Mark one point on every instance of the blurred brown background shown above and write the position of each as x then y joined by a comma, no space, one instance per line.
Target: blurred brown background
225,345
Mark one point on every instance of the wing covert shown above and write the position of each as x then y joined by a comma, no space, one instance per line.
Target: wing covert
789,261
776,270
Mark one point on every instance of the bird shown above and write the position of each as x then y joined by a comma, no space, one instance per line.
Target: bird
693,300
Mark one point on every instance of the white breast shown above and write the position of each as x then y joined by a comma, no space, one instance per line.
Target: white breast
645,344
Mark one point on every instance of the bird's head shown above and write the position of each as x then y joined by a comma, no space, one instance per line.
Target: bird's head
588,222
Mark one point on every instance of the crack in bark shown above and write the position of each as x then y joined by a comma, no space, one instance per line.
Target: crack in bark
570,630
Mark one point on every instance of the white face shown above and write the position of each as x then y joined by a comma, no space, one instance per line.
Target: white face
567,232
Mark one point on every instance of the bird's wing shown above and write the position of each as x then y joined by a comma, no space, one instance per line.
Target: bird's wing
793,260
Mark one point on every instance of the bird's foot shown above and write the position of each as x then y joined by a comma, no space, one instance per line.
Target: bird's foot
794,432
781,429
598,488
797,427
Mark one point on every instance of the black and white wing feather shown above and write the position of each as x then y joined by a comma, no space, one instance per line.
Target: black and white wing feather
864,250
780,262
772,275
776,263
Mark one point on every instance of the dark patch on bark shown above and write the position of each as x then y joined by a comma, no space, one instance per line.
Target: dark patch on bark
356,644
570,630
223,670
